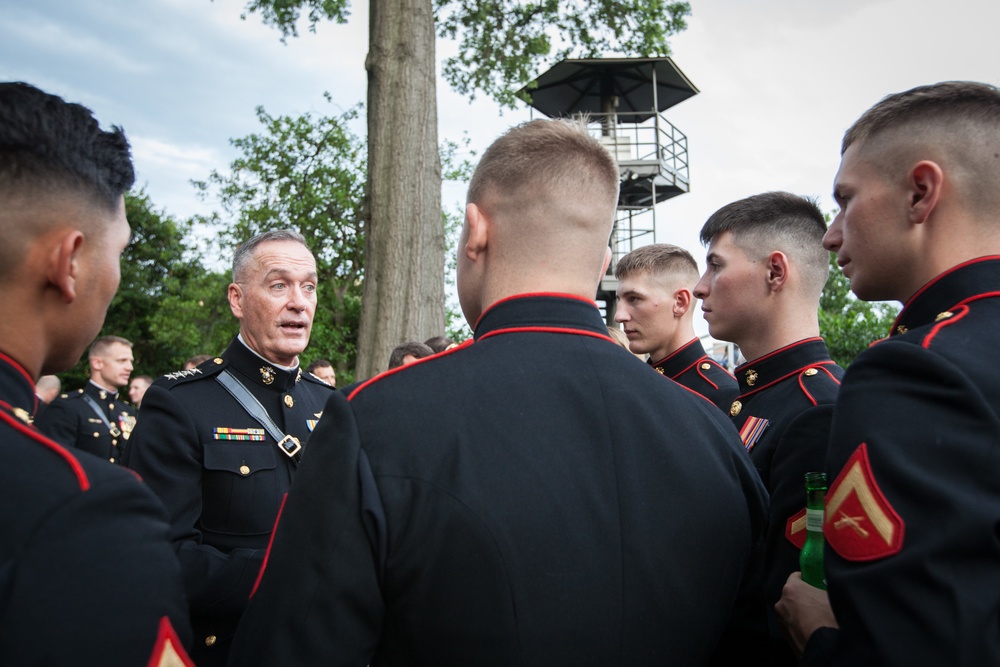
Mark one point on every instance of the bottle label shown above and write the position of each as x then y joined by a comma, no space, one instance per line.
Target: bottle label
814,521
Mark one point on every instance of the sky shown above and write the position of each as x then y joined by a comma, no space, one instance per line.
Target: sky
779,82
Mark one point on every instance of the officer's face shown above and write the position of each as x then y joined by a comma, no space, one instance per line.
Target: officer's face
276,301
869,233
646,312
732,289
136,390
114,366
326,374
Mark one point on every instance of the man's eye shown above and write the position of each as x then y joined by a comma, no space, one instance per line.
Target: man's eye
309,288
278,286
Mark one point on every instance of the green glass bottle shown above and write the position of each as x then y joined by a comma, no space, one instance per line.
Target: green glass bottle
811,557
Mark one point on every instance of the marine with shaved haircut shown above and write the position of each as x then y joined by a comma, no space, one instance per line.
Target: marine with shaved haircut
761,288
656,310
912,514
87,574
533,497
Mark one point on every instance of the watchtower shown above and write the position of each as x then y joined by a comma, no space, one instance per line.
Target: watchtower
623,99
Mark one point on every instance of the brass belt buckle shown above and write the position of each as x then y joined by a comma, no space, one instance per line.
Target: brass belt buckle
290,445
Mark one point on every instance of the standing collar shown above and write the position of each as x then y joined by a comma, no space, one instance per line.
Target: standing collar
542,311
776,366
258,370
680,359
17,389
97,391
948,290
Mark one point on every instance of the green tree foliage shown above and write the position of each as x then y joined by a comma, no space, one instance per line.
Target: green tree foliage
305,173
848,324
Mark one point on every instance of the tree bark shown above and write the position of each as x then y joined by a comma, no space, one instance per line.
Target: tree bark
403,295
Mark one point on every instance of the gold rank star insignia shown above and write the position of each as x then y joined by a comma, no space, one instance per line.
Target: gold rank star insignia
266,374
943,316
751,378
289,401
735,408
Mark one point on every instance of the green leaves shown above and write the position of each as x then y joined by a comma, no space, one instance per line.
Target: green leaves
848,324
506,42
284,14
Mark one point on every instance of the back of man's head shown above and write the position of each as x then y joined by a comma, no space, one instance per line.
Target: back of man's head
776,221
52,151
549,186
954,123
407,353
48,145
662,260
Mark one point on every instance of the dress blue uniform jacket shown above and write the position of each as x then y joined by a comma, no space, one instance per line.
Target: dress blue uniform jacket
534,497
691,367
914,570
71,421
221,477
87,575
783,414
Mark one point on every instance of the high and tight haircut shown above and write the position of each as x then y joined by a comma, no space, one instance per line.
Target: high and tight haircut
945,103
773,221
557,153
100,346
414,348
658,259
49,145
244,252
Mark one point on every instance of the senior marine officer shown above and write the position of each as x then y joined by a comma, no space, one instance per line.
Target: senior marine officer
93,418
220,443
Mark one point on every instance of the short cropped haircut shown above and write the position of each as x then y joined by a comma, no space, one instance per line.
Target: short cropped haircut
48,145
145,379
946,103
773,221
439,343
100,346
244,252
417,349
558,154
658,259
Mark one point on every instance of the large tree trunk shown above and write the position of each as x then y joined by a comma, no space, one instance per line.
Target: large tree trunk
404,259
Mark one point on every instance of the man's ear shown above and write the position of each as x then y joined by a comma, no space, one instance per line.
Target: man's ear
777,270
477,224
605,264
235,295
682,301
925,182
64,264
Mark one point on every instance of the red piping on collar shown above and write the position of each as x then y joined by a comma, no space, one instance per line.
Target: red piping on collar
36,435
676,352
817,365
512,297
393,371
937,278
756,361
559,330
